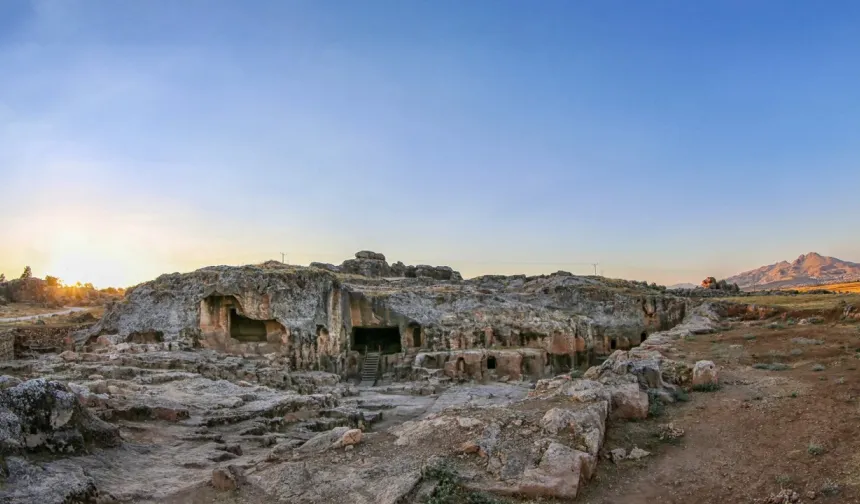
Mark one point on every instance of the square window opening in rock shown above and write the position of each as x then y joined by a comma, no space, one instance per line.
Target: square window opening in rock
491,362
374,339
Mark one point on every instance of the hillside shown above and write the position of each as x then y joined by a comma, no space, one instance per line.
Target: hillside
806,270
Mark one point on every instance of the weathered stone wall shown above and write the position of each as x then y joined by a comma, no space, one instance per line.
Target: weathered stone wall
38,338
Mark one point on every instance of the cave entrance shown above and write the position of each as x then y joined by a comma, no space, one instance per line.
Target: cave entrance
491,362
416,336
613,344
245,329
643,337
375,338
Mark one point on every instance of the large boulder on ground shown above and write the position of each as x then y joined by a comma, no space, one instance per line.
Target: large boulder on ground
628,401
46,415
559,475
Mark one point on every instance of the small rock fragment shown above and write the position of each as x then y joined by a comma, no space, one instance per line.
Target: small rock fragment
637,453
617,455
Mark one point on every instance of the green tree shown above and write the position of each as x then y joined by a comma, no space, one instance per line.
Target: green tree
28,273
2,277
52,281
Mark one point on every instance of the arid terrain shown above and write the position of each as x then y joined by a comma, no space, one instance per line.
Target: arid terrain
785,417
205,388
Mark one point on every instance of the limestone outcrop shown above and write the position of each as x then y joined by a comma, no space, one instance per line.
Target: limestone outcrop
45,415
325,318
373,265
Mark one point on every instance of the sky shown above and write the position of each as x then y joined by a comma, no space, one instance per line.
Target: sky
666,140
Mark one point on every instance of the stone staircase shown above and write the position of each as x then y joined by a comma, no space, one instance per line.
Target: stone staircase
369,369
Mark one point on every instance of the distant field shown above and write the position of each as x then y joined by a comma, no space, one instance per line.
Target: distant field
800,301
837,287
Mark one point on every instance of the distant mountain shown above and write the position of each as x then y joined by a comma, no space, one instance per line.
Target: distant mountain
684,286
809,269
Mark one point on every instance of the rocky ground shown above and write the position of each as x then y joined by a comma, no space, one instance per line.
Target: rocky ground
772,418
781,427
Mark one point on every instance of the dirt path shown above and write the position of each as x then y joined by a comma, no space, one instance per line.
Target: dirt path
43,315
763,431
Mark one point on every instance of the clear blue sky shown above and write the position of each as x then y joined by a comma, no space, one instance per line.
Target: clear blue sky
667,140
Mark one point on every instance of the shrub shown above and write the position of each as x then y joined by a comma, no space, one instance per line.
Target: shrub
818,367
681,395
794,395
707,387
28,273
773,366
749,337
448,489
815,449
783,479
656,408
830,488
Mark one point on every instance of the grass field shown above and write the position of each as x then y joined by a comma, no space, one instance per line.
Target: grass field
801,301
837,287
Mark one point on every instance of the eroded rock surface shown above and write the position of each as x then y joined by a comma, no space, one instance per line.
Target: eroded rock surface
159,391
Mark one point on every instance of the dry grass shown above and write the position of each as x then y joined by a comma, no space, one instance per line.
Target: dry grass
847,287
822,302
25,310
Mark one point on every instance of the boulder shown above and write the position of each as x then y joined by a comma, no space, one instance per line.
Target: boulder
367,254
222,479
705,374
46,415
228,478
557,420
560,473
324,440
350,437
27,483
69,356
628,402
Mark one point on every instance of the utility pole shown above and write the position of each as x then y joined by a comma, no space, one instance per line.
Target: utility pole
595,268
283,258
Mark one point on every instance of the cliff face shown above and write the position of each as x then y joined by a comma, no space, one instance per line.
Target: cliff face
320,318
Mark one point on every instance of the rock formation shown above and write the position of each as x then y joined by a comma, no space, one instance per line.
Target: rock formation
232,379
326,318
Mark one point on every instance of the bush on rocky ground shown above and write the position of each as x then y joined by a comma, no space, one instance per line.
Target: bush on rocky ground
448,489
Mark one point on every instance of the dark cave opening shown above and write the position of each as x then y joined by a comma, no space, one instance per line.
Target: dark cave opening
245,329
374,339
